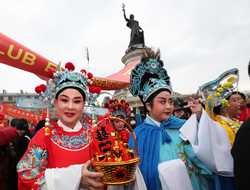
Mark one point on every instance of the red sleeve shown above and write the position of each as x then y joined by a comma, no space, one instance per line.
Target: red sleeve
32,166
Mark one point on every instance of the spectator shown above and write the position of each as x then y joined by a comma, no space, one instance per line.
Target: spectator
241,154
40,125
245,108
23,138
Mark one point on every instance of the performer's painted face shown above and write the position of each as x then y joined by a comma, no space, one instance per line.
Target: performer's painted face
161,107
69,106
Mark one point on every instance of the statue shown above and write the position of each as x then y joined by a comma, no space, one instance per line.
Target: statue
136,36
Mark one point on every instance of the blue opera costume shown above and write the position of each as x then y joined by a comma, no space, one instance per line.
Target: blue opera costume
161,142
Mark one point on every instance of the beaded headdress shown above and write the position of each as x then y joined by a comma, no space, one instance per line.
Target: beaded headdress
62,79
149,76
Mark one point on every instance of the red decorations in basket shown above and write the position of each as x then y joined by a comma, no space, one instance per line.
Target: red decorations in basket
112,155
124,134
120,173
110,144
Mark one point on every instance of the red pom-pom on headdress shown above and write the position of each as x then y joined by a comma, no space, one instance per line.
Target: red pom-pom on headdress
70,66
95,89
37,89
83,71
51,73
98,90
90,75
41,88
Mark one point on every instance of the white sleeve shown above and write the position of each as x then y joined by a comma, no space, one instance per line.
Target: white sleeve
63,178
173,175
139,183
210,143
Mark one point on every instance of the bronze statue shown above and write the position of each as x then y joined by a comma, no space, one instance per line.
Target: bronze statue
136,36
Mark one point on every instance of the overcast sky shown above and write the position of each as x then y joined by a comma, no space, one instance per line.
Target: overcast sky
198,39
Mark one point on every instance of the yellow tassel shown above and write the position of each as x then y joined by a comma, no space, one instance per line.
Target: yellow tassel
47,131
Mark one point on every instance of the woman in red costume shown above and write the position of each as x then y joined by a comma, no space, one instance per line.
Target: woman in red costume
58,155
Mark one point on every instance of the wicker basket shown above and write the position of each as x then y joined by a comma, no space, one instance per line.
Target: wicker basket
122,172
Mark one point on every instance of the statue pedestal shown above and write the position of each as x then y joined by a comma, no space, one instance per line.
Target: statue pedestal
130,57
135,47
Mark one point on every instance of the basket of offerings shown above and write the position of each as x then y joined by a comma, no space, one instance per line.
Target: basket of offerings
112,155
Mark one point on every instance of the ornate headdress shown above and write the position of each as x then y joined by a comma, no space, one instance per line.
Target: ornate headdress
149,76
215,92
118,108
62,79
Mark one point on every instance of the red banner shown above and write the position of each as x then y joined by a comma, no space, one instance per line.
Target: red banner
16,55
11,110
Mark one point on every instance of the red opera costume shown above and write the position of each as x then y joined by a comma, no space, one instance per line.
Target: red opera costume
59,149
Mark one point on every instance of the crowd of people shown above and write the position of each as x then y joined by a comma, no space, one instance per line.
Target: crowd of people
183,143
15,137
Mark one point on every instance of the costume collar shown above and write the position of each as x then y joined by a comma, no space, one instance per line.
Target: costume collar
226,118
76,128
151,121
